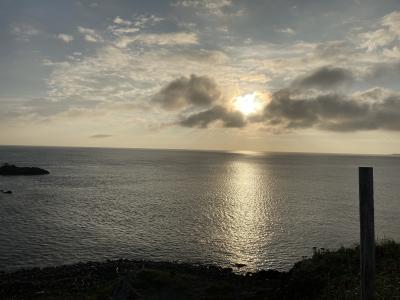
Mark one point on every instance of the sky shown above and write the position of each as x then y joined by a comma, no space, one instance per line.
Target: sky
290,76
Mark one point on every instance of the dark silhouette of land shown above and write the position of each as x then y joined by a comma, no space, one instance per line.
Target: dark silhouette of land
326,275
13,170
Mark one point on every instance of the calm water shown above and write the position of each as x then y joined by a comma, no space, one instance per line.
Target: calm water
265,210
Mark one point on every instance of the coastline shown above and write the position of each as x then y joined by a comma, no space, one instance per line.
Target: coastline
327,274
143,279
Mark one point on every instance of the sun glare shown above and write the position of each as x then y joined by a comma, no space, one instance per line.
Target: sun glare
248,103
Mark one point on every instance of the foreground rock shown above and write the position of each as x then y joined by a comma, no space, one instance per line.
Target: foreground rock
13,170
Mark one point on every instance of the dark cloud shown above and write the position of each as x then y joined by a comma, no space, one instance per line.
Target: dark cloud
217,113
297,107
326,78
333,111
183,92
315,100
199,95
100,136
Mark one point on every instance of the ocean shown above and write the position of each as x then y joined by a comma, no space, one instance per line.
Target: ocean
264,210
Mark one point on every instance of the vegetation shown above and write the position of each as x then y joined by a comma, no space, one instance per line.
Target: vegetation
336,274
326,275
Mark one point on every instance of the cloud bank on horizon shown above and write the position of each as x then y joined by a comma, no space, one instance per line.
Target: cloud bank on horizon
160,68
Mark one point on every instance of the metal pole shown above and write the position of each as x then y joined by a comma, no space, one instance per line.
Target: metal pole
367,233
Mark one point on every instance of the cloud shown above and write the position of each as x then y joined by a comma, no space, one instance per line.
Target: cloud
24,32
208,4
194,93
159,39
392,21
134,67
202,103
334,111
121,21
393,53
100,136
146,20
325,106
202,55
230,119
110,75
387,33
65,37
338,49
183,92
219,8
378,38
287,30
38,110
125,28
326,78
90,35
121,31
114,74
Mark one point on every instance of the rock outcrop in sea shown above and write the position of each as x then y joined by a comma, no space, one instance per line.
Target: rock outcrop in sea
13,170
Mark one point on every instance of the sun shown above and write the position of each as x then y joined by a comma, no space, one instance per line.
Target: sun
247,104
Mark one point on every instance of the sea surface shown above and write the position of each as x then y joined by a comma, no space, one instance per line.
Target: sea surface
265,210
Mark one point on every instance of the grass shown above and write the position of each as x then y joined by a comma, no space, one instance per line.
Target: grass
336,274
326,275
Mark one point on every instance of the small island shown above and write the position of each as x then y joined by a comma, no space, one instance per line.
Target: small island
13,170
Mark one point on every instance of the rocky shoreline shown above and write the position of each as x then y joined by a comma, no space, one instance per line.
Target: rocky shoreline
136,280
326,275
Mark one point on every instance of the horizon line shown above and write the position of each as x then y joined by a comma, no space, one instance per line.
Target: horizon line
231,151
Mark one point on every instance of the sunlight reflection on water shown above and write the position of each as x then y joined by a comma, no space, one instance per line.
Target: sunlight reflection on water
246,212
